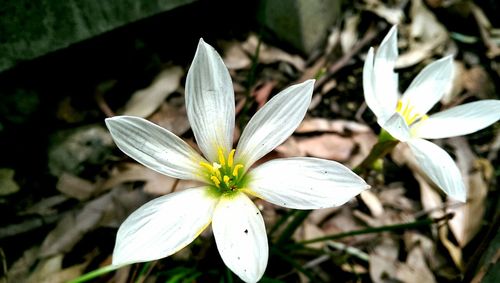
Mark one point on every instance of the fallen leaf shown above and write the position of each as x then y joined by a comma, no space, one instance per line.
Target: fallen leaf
467,220
393,15
74,150
383,260
235,57
173,117
426,35
109,209
373,203
145,101
309,125
349,35
415,269
262,94
269,54
75,187
8,185
155,183
327,146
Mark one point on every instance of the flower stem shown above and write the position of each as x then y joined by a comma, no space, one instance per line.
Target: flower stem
384,145
95,273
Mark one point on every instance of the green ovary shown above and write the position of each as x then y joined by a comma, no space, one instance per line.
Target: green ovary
225,176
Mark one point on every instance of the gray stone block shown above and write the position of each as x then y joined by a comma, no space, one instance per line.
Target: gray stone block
303,24
32,28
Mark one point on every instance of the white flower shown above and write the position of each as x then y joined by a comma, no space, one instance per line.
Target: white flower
169,223
405,117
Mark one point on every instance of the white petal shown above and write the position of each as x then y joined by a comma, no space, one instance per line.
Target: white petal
439,167
368,81
305,183
397,127
210,102
430,85
461,120
274,122
163,226
241,236
155,147
384,79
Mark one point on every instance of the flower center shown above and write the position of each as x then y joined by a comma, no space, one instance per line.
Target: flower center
408,112
225,175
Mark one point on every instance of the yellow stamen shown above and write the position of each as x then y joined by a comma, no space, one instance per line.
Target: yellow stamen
230,158
207,166
215,180
222,160
226,180
399,106
217,173
236,168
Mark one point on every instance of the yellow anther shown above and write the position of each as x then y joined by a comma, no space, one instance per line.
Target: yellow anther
222,160
230,158
215,180
236,169
217,173
226,179
207,166
399,106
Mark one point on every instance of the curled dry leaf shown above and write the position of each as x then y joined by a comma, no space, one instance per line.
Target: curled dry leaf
269,54
393,15
431,200
145,101
426,35
467,220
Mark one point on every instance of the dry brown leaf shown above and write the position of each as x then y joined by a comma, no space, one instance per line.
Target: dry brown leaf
262,94
383,260
467,219
173,117
415,269
107,210
426,35
310,125
393,15
235,57
155,183
327,146
20,270
72,150
349,35
75,187
269,54
50,270
145,101
309,231
373,203
432,203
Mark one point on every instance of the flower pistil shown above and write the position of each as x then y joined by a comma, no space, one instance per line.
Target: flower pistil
225,175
